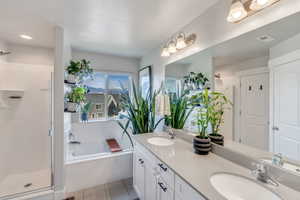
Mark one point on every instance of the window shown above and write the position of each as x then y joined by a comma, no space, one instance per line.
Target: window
170,82
104,92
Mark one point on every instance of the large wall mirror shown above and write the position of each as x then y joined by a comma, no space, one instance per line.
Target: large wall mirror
260,73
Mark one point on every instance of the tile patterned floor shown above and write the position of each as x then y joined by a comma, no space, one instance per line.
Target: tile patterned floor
121,190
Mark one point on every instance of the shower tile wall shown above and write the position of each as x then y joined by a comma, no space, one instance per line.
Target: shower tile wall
25,146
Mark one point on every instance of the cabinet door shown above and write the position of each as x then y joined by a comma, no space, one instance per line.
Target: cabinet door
164,192
139,174
151,183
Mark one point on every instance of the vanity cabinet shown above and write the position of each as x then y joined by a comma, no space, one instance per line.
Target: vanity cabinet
154,180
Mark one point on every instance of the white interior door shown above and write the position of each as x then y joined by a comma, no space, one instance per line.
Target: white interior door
286,130
254,110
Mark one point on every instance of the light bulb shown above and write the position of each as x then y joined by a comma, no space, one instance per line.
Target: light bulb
165,52
237,11
180,41
260,4
172,47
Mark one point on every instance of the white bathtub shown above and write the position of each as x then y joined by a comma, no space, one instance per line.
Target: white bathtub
91,163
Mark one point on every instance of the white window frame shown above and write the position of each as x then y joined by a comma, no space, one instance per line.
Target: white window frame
106,72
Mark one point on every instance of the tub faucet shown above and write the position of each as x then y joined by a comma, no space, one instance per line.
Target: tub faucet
261,172
72,139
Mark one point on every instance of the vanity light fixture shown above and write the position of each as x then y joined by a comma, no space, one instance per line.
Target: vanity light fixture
172,47
240,9
237,11
26,37
260,4
165,52
178,43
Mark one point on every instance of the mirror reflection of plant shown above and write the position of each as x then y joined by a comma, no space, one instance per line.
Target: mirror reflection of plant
195,81
203,117
180,110
77,95
219,103
140,112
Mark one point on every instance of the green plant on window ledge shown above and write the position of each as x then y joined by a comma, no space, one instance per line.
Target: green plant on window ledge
78,70
77,95
140,112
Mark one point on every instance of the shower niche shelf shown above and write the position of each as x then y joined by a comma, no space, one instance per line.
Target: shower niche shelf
9,95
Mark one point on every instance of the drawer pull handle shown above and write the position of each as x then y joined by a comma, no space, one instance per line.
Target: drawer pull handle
162,167
162,186
141,161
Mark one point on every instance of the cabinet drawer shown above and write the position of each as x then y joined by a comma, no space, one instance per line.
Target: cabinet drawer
166,174
164,192
185,191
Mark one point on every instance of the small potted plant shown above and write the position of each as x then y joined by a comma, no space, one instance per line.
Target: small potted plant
78,70
85,109
72,72
216,112
75,98
195,81
201,142
85,69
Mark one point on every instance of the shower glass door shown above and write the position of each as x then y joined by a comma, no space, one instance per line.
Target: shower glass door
25,124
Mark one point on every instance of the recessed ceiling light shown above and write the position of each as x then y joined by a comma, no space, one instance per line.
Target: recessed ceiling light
26,37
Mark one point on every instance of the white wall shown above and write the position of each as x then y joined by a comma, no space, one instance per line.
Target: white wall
212,28
107,62
30,55
3,47
177,70
285,47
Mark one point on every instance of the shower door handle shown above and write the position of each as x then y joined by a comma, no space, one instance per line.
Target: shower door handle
50,132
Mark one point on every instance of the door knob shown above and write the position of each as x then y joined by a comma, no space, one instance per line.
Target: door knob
275,128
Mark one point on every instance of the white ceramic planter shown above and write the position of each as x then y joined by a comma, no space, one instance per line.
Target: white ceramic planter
71,78
72,107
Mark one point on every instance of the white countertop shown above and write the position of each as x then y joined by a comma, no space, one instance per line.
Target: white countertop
196,170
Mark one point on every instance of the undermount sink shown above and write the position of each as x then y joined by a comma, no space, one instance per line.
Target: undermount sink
160,141
235,187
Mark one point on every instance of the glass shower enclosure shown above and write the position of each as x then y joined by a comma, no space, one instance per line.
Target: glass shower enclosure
25,129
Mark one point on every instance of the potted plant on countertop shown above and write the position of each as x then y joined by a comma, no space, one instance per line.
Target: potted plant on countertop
85,110
75,98
201,142
140,112
216,112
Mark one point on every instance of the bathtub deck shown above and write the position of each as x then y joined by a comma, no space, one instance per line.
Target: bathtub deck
121,190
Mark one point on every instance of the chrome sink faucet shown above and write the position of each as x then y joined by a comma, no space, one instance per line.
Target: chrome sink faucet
171,133
261,172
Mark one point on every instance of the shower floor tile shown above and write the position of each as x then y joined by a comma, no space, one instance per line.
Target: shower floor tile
16,183
121,190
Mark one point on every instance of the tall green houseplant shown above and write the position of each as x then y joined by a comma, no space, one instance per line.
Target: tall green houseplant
140,112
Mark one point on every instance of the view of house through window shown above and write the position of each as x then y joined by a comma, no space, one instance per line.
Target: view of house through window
104,92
